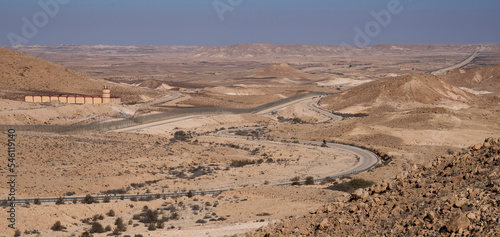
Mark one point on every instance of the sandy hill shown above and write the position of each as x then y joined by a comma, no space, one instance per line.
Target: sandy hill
480,79
455,196
400,92
32,75
281,71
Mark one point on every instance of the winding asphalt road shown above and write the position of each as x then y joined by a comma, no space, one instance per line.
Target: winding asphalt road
367,159
173,96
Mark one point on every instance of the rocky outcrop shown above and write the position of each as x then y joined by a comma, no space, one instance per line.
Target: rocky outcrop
457,196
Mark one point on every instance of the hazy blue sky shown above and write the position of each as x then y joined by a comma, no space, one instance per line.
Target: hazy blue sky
196,22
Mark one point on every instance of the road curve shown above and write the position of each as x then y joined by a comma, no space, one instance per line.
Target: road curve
311,107
458,65
367,159
173,96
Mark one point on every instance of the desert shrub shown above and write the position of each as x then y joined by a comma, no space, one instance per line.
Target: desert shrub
75,200
296,178
195,207
96,227
327,180
116,231
360,183
241,163
86,234
111,213
120,225
174,216
152,227
69,194
88,199
133,199
201,221
309,180
106,199
264,214
190,194
139,235
17,233
97,217
37,201
108,228
147,216
160,224
181,135
60,201
28,232
350,186
57,226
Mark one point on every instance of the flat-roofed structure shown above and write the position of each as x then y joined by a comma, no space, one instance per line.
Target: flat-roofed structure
76,99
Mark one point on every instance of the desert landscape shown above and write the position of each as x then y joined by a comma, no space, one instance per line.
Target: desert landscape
253,140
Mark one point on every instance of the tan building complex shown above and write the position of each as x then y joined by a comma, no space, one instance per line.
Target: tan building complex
76,99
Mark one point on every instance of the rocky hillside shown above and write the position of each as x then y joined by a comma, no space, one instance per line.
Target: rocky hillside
22,72
479,79
457,195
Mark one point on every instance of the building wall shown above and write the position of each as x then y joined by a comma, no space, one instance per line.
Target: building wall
80,100
71,99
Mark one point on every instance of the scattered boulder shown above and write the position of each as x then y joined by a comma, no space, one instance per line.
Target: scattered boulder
458,224
457,195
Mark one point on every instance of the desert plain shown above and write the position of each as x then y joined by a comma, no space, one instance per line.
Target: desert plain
425,130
